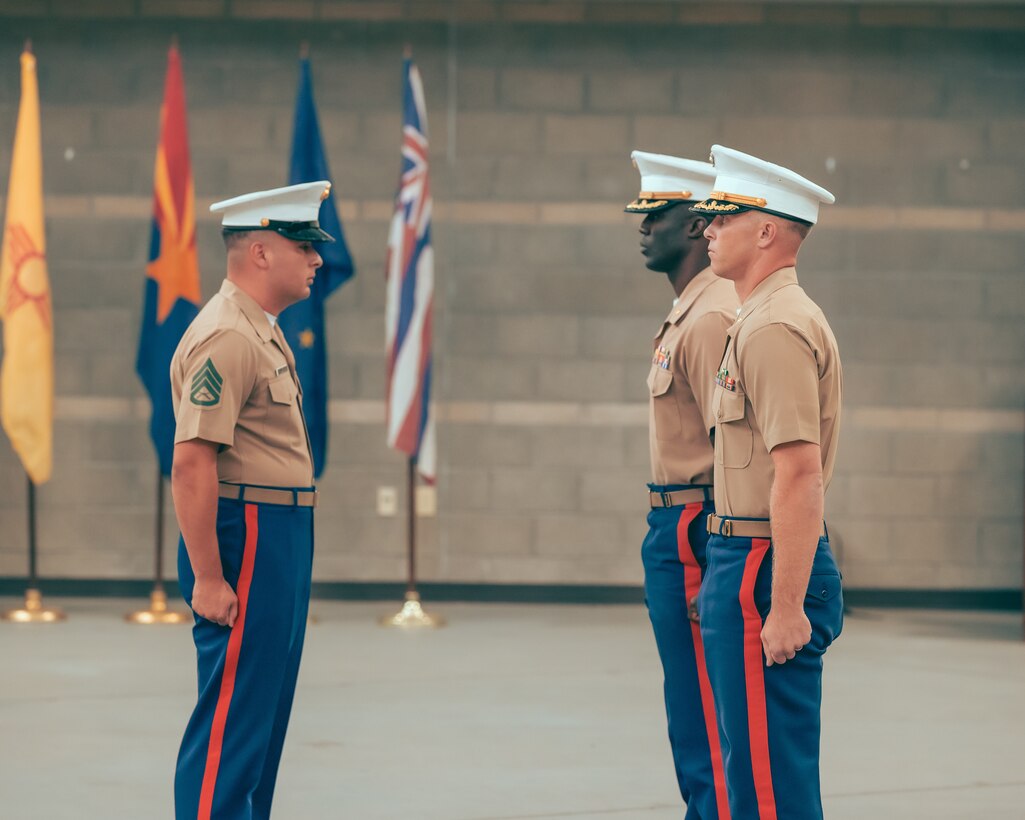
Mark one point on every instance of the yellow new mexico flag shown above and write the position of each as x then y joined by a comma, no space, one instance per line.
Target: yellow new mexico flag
26,376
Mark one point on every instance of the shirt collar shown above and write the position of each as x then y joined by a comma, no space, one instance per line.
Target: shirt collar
690,295
250,309
769,285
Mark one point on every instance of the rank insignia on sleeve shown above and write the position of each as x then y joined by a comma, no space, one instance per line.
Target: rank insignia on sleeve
725,380
206,385
663,357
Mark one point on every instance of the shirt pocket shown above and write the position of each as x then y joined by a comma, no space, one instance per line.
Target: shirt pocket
734,441
282,389
665,411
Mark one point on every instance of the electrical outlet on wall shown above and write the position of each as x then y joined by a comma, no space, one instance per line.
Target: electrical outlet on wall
387,502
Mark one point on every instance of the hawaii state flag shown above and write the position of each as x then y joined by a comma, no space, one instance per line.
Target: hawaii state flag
303,322
171,299
410,291
26,377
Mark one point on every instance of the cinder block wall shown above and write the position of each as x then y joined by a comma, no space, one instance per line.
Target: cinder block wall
913,115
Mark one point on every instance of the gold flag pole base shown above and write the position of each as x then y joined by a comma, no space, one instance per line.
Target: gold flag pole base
34,612
412,615
158,613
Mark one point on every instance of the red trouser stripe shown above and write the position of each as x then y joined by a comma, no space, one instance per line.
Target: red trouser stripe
213,755
754,676
692,585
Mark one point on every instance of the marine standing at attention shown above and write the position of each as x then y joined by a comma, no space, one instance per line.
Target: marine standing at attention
771,602
242,482
686,352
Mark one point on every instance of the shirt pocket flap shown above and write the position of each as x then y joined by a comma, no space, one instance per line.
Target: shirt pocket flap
659,381
282,389
731,406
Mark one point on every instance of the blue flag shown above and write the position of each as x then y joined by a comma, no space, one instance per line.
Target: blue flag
171,299
303,322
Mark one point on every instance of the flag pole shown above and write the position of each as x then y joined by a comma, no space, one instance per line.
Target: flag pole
158,613
33,611
412,613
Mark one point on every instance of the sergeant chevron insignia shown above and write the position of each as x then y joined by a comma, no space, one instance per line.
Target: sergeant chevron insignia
206,385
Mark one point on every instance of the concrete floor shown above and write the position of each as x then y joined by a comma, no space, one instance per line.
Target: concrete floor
509,712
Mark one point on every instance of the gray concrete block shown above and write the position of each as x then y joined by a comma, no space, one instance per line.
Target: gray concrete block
586,134
555,178
690,135
610,178
487,534
893,495
595,449
637,448
118,442
589,538
865,451
538,489
106,330
1005,386
581,380
1007,137
987,185
486,445
983,494
803,143
538,89
909,93
551,335
624,337
931,139
936,453
498,133
96,239
485,378
615,491
644,92
476,88
472,489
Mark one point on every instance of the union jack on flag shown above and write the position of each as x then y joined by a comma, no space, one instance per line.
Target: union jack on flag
410,291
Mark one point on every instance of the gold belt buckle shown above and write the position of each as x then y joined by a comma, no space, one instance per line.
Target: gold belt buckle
667,499
726,527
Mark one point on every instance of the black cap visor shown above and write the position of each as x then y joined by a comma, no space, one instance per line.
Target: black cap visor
651,206
718,207
296,231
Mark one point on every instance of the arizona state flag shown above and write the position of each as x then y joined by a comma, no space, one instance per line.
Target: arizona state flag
172,295
303,323
26,377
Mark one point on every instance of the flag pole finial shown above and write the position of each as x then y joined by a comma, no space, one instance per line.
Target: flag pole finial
407,52
174,42
304,50
28,45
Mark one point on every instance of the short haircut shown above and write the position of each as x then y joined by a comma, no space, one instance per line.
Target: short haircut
802,229
232,239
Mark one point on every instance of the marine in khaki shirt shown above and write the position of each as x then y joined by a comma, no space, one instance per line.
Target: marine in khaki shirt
681,382
771,601
242,484
680,386
779,381
233,383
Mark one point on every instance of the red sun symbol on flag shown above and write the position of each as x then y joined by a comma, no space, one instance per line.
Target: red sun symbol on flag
28,282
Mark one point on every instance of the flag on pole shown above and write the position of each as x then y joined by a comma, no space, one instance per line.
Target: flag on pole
410,291
303,322
26,377
172,295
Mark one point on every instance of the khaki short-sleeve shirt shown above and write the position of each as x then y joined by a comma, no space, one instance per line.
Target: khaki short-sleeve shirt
681,381
233,382
779,381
